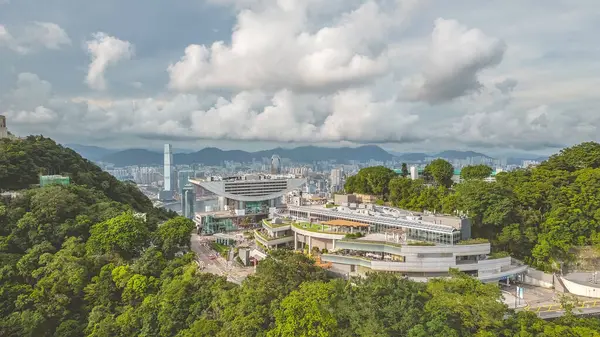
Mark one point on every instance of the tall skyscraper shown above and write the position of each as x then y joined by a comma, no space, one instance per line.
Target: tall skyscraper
275,164
3,130
188,200
169,179
182,179
168,173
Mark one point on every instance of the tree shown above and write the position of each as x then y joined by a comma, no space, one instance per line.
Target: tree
371,180
174,235
440,171
124,235
584,155
306,312
475,172
405,172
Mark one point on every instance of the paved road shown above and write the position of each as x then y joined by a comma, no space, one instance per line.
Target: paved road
218,265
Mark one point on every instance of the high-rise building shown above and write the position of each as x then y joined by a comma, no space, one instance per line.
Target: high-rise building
168,169
188,199
182,179
275,164
337,180
414,173
3,130
169,179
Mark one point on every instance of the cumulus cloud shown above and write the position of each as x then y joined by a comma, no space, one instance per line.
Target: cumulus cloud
30,92
348,115
275,46
507,86
105,51
455,57
359,71
536,128
33,37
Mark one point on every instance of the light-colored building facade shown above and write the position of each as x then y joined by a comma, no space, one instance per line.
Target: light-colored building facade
168,191
378,238
188,199
414,173
243,197
275,164
168,168
3,129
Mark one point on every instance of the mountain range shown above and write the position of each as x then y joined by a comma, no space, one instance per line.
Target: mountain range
303,154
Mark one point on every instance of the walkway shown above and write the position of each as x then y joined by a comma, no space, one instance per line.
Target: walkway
556,310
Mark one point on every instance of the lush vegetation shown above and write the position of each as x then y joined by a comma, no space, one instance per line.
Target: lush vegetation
538,214
23,161
439,172
79,260
371,180
475,172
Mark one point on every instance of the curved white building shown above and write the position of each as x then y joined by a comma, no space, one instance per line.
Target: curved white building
356,242
250,194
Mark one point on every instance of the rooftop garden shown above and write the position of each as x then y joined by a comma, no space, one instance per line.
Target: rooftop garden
476,241
269,238
386,243
354,235
269,223
420,243
314,227
498,255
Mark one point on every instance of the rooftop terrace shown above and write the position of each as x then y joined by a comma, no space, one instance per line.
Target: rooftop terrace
382,215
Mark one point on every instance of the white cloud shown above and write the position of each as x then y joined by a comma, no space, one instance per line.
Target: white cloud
356,71
276,47
456,56
33,37
29,93
348,115
105,51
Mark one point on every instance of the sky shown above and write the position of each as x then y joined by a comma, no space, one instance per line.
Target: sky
410,75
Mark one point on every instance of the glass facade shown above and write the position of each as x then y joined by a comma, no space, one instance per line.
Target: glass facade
54,180
212,225
376,226
182,179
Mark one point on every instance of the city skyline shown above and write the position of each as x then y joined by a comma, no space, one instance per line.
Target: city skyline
412,76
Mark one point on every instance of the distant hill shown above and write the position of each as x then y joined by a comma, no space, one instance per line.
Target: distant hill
214,156
90,152
133,157
413,157
451,154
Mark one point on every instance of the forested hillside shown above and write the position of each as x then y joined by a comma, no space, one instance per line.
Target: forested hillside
537,214
78,261
22,161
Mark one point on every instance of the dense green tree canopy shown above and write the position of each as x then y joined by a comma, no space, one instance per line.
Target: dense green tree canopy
22,161
440,171
475,172
371,180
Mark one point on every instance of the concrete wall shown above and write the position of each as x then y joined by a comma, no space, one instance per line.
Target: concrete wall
581,289
339,199
538,278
